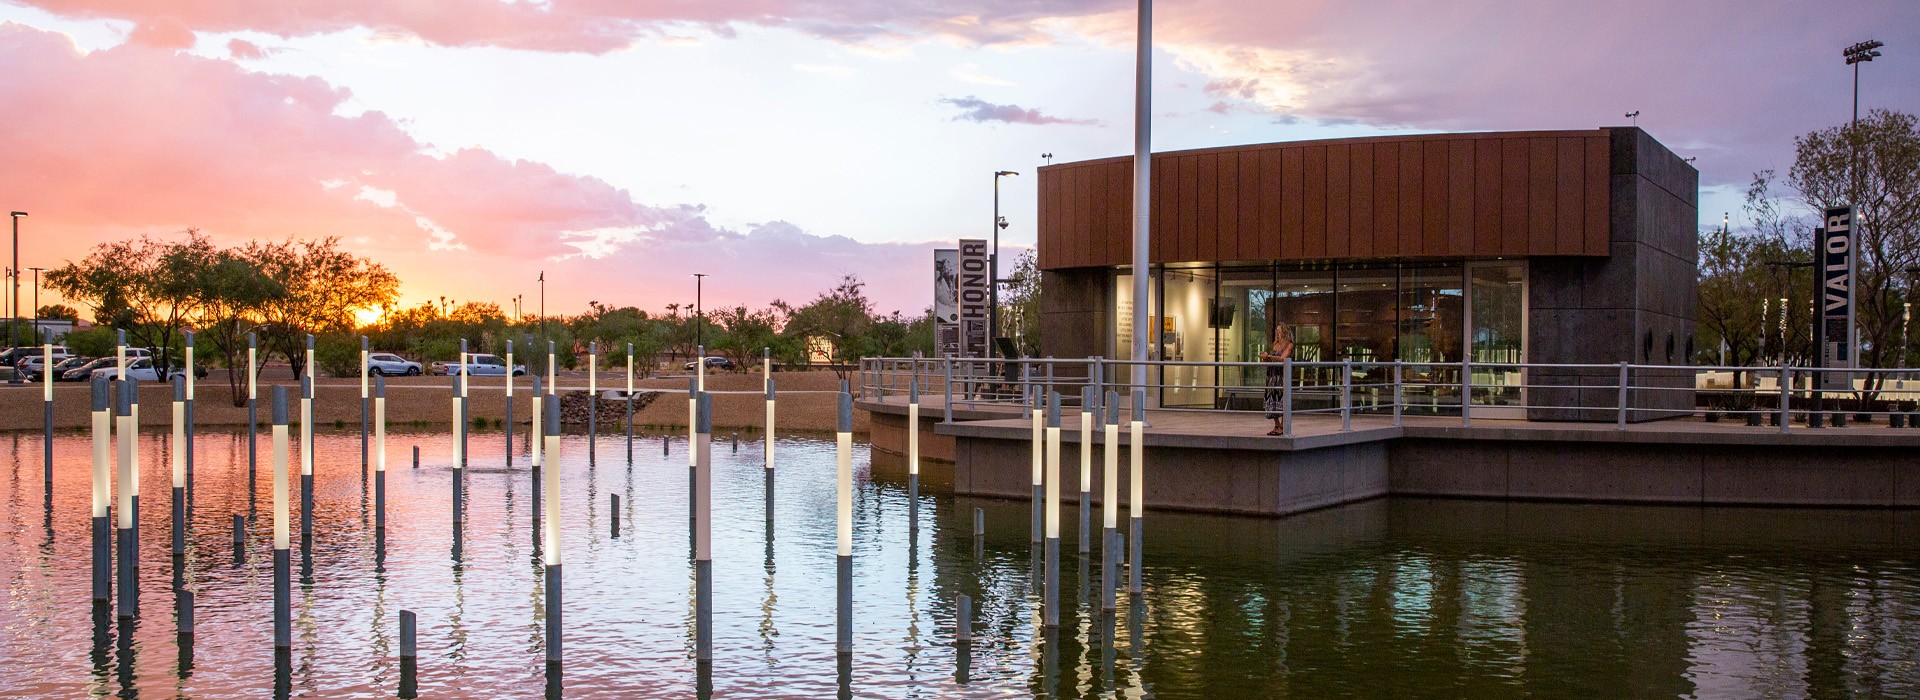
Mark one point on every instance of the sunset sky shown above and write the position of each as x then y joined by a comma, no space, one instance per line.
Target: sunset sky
776,145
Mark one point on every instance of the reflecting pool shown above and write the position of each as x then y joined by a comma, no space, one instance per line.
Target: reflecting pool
1387,598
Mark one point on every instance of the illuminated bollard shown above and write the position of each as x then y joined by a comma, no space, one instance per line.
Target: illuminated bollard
129,483
179,460
102,482
366,408
1110,504
1051,590
282,560
1089,414
629,397
703,529
46,435
509,423
550,493
306,450
913,455
457,405
380,459
767,467
538,457
1038,418
253,416
844,490
1136,491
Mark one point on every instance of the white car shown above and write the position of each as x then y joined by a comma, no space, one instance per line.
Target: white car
139,370
389,364
484,365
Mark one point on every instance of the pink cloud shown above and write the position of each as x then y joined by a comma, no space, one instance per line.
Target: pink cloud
244,50
162,33
974,109
130,140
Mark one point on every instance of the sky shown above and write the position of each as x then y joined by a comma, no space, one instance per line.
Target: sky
619,146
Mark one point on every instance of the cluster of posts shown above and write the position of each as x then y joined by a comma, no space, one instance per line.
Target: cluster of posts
115,430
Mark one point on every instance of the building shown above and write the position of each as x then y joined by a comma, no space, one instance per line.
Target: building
1456,252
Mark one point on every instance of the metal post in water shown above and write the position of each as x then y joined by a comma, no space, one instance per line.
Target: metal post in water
416,456
1037,416
509,423
239,537
380,459
550,493
253,417
306,453
282,560
695,385
768,466
615,510
102,481
593,398
129,483
629,397
457,407
1089,414
913,454
963,620
693,451
466,377
1051,589
703,529
179,455
1137,491
46,435
538,443
189,412
366,406
1110,503
409,654
844,490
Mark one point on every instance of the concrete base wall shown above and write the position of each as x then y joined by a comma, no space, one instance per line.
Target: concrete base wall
888,433
1657,473
1260,483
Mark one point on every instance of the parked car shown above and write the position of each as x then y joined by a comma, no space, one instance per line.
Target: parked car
715,362
12,357
389,365
60,368
141,370
84,372
30,368
482,365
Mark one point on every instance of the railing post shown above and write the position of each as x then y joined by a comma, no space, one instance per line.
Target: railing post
1466,392
1620,418
1398,395
946,364
1286,396
1346,395
1786,396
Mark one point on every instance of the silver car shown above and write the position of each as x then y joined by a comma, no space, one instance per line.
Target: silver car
390,365
484,365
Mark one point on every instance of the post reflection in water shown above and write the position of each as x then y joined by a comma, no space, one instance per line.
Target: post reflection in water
1377,599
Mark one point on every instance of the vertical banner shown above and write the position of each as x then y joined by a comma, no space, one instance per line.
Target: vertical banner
1835,325
946,301
974,294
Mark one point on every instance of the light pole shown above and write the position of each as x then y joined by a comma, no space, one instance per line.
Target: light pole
993,263
543,306
13,334
699,317
36,302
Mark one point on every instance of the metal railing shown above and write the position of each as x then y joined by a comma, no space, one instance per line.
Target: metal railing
1622,393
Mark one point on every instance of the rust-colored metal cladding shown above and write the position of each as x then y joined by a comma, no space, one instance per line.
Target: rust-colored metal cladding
1509,194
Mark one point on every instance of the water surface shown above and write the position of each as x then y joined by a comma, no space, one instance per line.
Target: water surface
1389,598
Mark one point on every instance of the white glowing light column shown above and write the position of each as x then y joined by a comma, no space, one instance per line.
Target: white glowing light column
768,466
1051,591
593,397
253,416
102,485
550,549
1136,491
703,531
1089,413
366,404
629,402
509,422
844,489
129,515
306,450
1110,502
179,459
282,561
1038,416
913,454
698,385
380,457
46,400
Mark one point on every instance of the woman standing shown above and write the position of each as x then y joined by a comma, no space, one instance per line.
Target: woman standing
1276,397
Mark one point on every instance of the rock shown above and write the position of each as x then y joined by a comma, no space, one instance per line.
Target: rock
573,406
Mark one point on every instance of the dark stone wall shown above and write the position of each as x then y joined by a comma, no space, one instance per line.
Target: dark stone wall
1635,305
1076,309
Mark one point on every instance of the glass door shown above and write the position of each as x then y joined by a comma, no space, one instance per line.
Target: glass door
1497,333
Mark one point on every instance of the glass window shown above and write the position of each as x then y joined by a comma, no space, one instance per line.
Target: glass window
1432,317
1368,314
1498,331
1187,335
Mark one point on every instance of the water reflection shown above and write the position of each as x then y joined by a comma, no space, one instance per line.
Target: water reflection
1381,599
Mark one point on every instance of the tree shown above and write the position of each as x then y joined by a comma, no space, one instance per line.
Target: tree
1020,306
841,317
1737,287
144,286
324,287
58,312
230,288
1874,164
